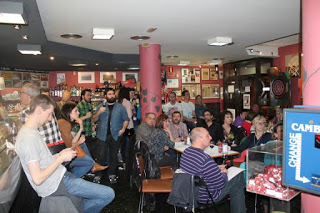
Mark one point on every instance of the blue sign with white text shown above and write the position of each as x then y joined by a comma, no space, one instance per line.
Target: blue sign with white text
301,153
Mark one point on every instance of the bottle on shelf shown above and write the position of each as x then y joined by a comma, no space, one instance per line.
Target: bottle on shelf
14,133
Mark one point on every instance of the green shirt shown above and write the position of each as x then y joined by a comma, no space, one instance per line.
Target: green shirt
84,108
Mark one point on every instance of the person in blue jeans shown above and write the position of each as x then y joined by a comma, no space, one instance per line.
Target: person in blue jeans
45,171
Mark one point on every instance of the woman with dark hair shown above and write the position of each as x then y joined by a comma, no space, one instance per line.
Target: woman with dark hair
227,130
160,141
70,117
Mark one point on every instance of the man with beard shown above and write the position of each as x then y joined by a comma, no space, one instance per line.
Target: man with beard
85,110
210,125
178,129
113,121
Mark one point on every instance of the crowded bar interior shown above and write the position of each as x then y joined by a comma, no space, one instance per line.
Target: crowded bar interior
159,106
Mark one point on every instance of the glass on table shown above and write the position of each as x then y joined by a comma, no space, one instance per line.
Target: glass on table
211,144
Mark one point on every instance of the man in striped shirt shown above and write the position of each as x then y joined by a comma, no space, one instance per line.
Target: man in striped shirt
194,161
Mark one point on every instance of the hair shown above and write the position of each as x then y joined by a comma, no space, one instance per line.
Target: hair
66,110
41,100
201,102
243,110
173,93
44,90
195,134
259,118
250,116
150,113
109,89
184,92
124,93
223,115
31,89
275,129
159,121
176,112
83,92
207,110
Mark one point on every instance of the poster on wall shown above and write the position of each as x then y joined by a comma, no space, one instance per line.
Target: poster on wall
210,91
194,89
85,77
220,74
110,77
172,83
213,74
129,76
61,77
190,75
293,65
205,73
246,101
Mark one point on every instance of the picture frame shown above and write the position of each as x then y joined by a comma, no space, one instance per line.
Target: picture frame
194,89
205,74
173,83
86,77
210,91
213,75
246,101
130,75
110,77
190,75
220,74
177,92
61,77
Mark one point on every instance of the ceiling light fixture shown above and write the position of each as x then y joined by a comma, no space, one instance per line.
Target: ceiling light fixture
184,63
71,36
25,37
172,56
220,41
96,64
266,51
140,38
133,67
11,13
215,62
78,63
17,26
102,33
151,30
51,58
29,49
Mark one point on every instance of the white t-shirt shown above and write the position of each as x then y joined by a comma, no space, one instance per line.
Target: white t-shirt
187,109
169,108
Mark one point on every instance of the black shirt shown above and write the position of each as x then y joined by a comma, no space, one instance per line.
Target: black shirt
109,119
212,129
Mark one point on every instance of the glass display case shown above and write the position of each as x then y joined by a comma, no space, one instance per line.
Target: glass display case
264,172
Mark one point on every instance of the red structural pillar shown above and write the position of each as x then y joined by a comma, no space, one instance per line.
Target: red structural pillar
150,78
311,76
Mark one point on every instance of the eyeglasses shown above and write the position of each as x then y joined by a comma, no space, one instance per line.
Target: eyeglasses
261,123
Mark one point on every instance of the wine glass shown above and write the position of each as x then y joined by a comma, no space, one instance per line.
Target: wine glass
211,144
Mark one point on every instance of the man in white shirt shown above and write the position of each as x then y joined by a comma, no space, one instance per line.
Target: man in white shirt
188,110
172,105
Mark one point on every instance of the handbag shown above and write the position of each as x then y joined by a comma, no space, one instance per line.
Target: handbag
80,152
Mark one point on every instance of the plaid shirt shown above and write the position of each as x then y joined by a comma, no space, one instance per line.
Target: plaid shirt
49,131
84,108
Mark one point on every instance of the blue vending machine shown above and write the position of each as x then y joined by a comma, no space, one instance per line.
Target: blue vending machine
301,153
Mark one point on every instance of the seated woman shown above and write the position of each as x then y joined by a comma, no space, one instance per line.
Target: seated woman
227,131
80,165
261,136
160,141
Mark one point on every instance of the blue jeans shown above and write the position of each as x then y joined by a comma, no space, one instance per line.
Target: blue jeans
81,166
85,149
95,196
235,188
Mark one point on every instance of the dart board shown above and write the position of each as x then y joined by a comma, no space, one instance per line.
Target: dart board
278,88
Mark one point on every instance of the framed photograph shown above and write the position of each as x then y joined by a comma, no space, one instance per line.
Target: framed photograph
110,77
210,91
205,73
6,75
44,77
172,83
190,75
246,101
177,92
220,74
85,77
213,74
129,76
194,89
44,84
61,77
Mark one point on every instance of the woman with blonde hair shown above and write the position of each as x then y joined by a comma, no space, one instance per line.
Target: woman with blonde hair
261,136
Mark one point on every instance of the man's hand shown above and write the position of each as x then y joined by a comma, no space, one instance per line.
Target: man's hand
67,154
121,132
88,115
102,109
223,168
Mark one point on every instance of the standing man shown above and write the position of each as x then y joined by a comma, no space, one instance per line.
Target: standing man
145,129
178,129
172,105
44,171
188,108
195,161
113,121
210,126
66,98
85,110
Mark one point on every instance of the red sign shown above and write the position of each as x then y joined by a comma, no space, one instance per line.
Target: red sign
170,71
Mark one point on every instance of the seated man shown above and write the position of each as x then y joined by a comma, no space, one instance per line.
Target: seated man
210,125
44,171
178,129
194,161
145,129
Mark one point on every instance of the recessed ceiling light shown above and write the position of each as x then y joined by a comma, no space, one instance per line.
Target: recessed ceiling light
78,63
96,64
12,13
151,30
140,38
71,36
102,33
29,49
51,58
172,56
25,37
133,67
17,26
220,41
184,63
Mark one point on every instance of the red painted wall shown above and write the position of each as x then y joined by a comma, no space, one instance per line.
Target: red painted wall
296,83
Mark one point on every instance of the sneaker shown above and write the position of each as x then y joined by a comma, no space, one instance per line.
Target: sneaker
97,179
112,179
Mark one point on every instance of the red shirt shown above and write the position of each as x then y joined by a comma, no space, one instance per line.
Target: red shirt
246,125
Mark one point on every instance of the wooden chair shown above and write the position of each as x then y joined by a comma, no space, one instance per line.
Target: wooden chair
166,171
150,185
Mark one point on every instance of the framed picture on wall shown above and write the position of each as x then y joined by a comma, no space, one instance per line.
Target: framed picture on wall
110,77
61,77
128,76
205,73
213,74
172,83
190,75
246,101
210,91
177,92
86,77
194,89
